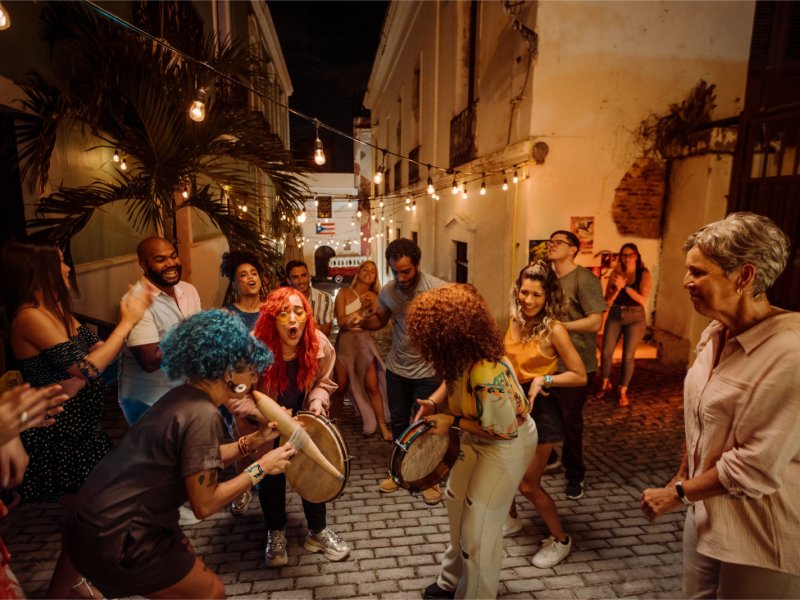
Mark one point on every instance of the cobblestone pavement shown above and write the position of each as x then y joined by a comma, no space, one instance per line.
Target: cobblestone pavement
397,539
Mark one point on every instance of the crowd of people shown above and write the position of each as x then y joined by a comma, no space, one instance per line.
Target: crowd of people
187,376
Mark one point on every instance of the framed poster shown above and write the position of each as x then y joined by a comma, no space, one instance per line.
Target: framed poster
537,250
583,227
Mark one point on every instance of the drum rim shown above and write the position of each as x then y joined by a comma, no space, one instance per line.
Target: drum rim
440,472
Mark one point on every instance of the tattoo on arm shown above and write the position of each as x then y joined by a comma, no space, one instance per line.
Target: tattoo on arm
201,479
213,477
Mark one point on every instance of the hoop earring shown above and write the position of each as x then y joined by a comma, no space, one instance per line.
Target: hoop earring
237,389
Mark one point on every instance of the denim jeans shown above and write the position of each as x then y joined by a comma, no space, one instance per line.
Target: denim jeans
629,322
403,394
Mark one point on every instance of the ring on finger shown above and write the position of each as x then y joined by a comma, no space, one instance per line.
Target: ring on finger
23,417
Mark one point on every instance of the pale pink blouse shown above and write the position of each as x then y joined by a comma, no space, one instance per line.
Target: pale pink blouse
744,417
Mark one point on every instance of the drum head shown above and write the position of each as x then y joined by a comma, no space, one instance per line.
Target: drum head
306,477
421,460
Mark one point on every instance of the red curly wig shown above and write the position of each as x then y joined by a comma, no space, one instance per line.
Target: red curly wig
275,379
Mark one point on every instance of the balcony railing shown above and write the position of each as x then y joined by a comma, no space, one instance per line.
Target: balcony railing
462,136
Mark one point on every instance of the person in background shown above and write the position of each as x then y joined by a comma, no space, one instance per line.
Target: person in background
481,398
321,302
299,379
247,287
124,532
534,343
53,347
626,296
358,362
409,376
247,290
740,475
585,306
141,379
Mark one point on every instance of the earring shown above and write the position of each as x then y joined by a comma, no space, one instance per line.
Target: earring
237,389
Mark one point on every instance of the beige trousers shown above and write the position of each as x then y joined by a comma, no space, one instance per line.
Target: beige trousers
479,494
705,577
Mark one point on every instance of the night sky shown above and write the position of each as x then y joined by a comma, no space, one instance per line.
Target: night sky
329,48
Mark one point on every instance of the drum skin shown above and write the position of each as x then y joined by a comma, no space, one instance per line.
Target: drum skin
306,477
421,460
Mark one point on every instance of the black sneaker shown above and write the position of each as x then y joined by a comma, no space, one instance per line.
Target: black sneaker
574,490
434,591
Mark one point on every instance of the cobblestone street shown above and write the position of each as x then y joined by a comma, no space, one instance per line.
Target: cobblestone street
397,539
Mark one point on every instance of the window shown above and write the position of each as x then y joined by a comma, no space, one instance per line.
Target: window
462,268
324,210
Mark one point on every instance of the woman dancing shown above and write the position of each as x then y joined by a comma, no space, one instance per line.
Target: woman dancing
534,343
626,296
53,347
247,287
124,534
454,330
359,363
300,379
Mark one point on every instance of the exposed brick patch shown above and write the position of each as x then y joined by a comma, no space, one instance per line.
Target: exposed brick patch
639,199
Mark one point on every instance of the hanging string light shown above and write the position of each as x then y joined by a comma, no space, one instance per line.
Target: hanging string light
358,213
505,184
185,193
5,19
378,177
301,218
483,185
515,178
319,153
430,189
454,189
414,206
197,112
381,203
464,192
123,165
115,158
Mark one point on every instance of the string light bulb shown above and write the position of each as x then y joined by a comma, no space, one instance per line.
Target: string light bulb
408,199
358,213
430,189
5,19
464,192
115,158
505,184
301,218
483,186
454,189
515,178
414,205
319,153
123,165
378,177
185,193
197,112
381,203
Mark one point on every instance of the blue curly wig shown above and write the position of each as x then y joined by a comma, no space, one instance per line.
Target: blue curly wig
208,344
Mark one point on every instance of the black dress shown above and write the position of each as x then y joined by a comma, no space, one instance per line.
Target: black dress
63,455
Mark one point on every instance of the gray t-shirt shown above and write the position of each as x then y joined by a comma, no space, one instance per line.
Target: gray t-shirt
583,296
404,359
124,532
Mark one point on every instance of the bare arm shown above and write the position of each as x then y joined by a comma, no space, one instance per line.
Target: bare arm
148,356
376,320
589,324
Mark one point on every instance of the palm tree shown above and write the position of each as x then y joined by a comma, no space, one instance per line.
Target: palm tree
133,94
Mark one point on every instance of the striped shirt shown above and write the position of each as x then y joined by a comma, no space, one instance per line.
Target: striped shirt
322,306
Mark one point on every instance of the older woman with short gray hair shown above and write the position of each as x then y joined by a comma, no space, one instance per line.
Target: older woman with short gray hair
740,476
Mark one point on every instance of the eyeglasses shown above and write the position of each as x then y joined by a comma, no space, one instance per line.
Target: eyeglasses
557,243
627,254
299,315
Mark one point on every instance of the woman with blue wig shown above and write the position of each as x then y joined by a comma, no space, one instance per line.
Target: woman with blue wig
124,534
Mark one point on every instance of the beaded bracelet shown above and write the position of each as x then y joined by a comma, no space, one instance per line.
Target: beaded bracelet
256,473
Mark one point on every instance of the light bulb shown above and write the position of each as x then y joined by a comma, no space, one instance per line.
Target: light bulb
115,158
185,193
5,19
378,177
197,112
505,184
483,188
244,208
515,178
408,208
349,204
408,199
431,190
454,189
301,218
123,165
380,204
319,153
436,196
464,192
358,214
414,205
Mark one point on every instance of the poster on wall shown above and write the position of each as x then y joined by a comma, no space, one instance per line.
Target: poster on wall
537,250
583,227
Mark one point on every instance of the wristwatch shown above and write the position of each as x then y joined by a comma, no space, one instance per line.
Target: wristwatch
682,494
548,381
456,422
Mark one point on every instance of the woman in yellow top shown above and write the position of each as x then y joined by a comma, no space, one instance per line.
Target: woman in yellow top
480,396
534,343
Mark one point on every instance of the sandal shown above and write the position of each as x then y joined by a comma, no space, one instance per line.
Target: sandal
623,396
605,386
386,433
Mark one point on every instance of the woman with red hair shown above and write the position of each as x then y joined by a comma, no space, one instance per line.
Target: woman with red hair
299,379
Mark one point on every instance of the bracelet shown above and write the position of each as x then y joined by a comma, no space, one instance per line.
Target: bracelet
681,494
548,381
243,448
256,473
456,422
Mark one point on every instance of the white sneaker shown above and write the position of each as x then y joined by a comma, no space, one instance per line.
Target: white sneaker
187,517
552,552
511,526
